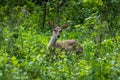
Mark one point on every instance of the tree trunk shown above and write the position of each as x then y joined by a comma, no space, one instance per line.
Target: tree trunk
44,14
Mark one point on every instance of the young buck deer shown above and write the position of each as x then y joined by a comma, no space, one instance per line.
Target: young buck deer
65,45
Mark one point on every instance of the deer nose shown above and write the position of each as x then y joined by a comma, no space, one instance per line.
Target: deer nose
58,36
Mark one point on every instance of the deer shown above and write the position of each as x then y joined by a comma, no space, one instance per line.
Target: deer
65,45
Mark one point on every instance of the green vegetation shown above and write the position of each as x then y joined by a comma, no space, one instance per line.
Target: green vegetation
25,33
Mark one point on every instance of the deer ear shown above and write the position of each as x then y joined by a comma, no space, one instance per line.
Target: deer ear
51,24
64,26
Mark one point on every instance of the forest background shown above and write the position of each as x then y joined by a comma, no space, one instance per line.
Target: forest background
25,33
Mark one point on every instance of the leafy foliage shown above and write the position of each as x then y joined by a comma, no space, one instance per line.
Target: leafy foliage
23,40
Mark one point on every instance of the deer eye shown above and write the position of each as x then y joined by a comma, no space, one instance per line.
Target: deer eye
60,30
55,30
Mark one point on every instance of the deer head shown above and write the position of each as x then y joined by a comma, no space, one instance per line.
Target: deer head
57,30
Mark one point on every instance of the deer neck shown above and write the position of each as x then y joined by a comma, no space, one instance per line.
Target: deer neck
52,42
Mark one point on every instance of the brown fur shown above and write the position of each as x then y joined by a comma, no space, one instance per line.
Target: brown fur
69,45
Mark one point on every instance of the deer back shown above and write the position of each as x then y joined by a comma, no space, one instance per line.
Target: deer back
69,45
